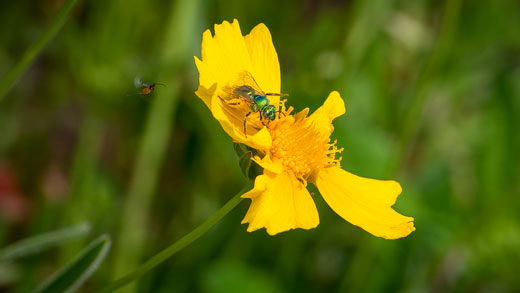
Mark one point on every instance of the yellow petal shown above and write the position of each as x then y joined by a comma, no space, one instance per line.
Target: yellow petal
322,118
301,115
224,56
261,183
264,61
364,202
232,121
279,202
267,163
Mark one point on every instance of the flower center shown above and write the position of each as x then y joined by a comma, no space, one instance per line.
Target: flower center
301,148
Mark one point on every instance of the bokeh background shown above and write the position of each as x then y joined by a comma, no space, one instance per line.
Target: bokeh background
432,90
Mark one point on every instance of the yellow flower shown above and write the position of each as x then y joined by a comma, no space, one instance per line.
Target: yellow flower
224,57
292,149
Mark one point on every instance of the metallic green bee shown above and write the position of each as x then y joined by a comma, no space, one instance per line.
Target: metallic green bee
247,90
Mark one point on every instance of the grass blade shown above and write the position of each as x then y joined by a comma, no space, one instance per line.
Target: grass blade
41,242
28,57
153,145
178,245
75,273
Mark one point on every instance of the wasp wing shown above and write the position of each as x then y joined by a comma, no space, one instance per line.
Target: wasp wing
138,83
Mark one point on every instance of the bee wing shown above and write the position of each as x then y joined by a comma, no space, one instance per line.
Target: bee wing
246,78
245,83
231,94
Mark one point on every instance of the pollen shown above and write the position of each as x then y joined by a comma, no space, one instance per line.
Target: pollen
301,148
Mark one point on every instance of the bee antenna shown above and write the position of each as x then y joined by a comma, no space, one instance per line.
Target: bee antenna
276,94
160,84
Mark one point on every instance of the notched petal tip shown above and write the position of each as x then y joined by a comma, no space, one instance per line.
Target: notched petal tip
400,230
301,115
334,105
322,118
206,95
262,27
264,60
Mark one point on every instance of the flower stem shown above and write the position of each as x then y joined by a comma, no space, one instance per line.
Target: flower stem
179,244
12,76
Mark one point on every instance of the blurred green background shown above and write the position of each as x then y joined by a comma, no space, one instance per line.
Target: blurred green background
432,90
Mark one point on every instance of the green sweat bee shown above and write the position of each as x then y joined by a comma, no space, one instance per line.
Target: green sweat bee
247,90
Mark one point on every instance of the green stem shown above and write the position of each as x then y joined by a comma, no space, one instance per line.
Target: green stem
12,76
179,244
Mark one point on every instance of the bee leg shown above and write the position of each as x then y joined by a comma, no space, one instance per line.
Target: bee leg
262,117
229,103
245,123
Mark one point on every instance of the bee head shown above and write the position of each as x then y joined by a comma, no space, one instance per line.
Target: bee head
269,112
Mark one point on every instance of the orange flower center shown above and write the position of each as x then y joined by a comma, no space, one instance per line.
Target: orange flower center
302,149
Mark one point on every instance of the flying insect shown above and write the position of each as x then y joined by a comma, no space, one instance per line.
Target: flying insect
247,90
145,88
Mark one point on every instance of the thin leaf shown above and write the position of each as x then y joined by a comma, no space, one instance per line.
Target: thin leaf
41,242
74,274
9,80
244,162
178,245
241,149
249,168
